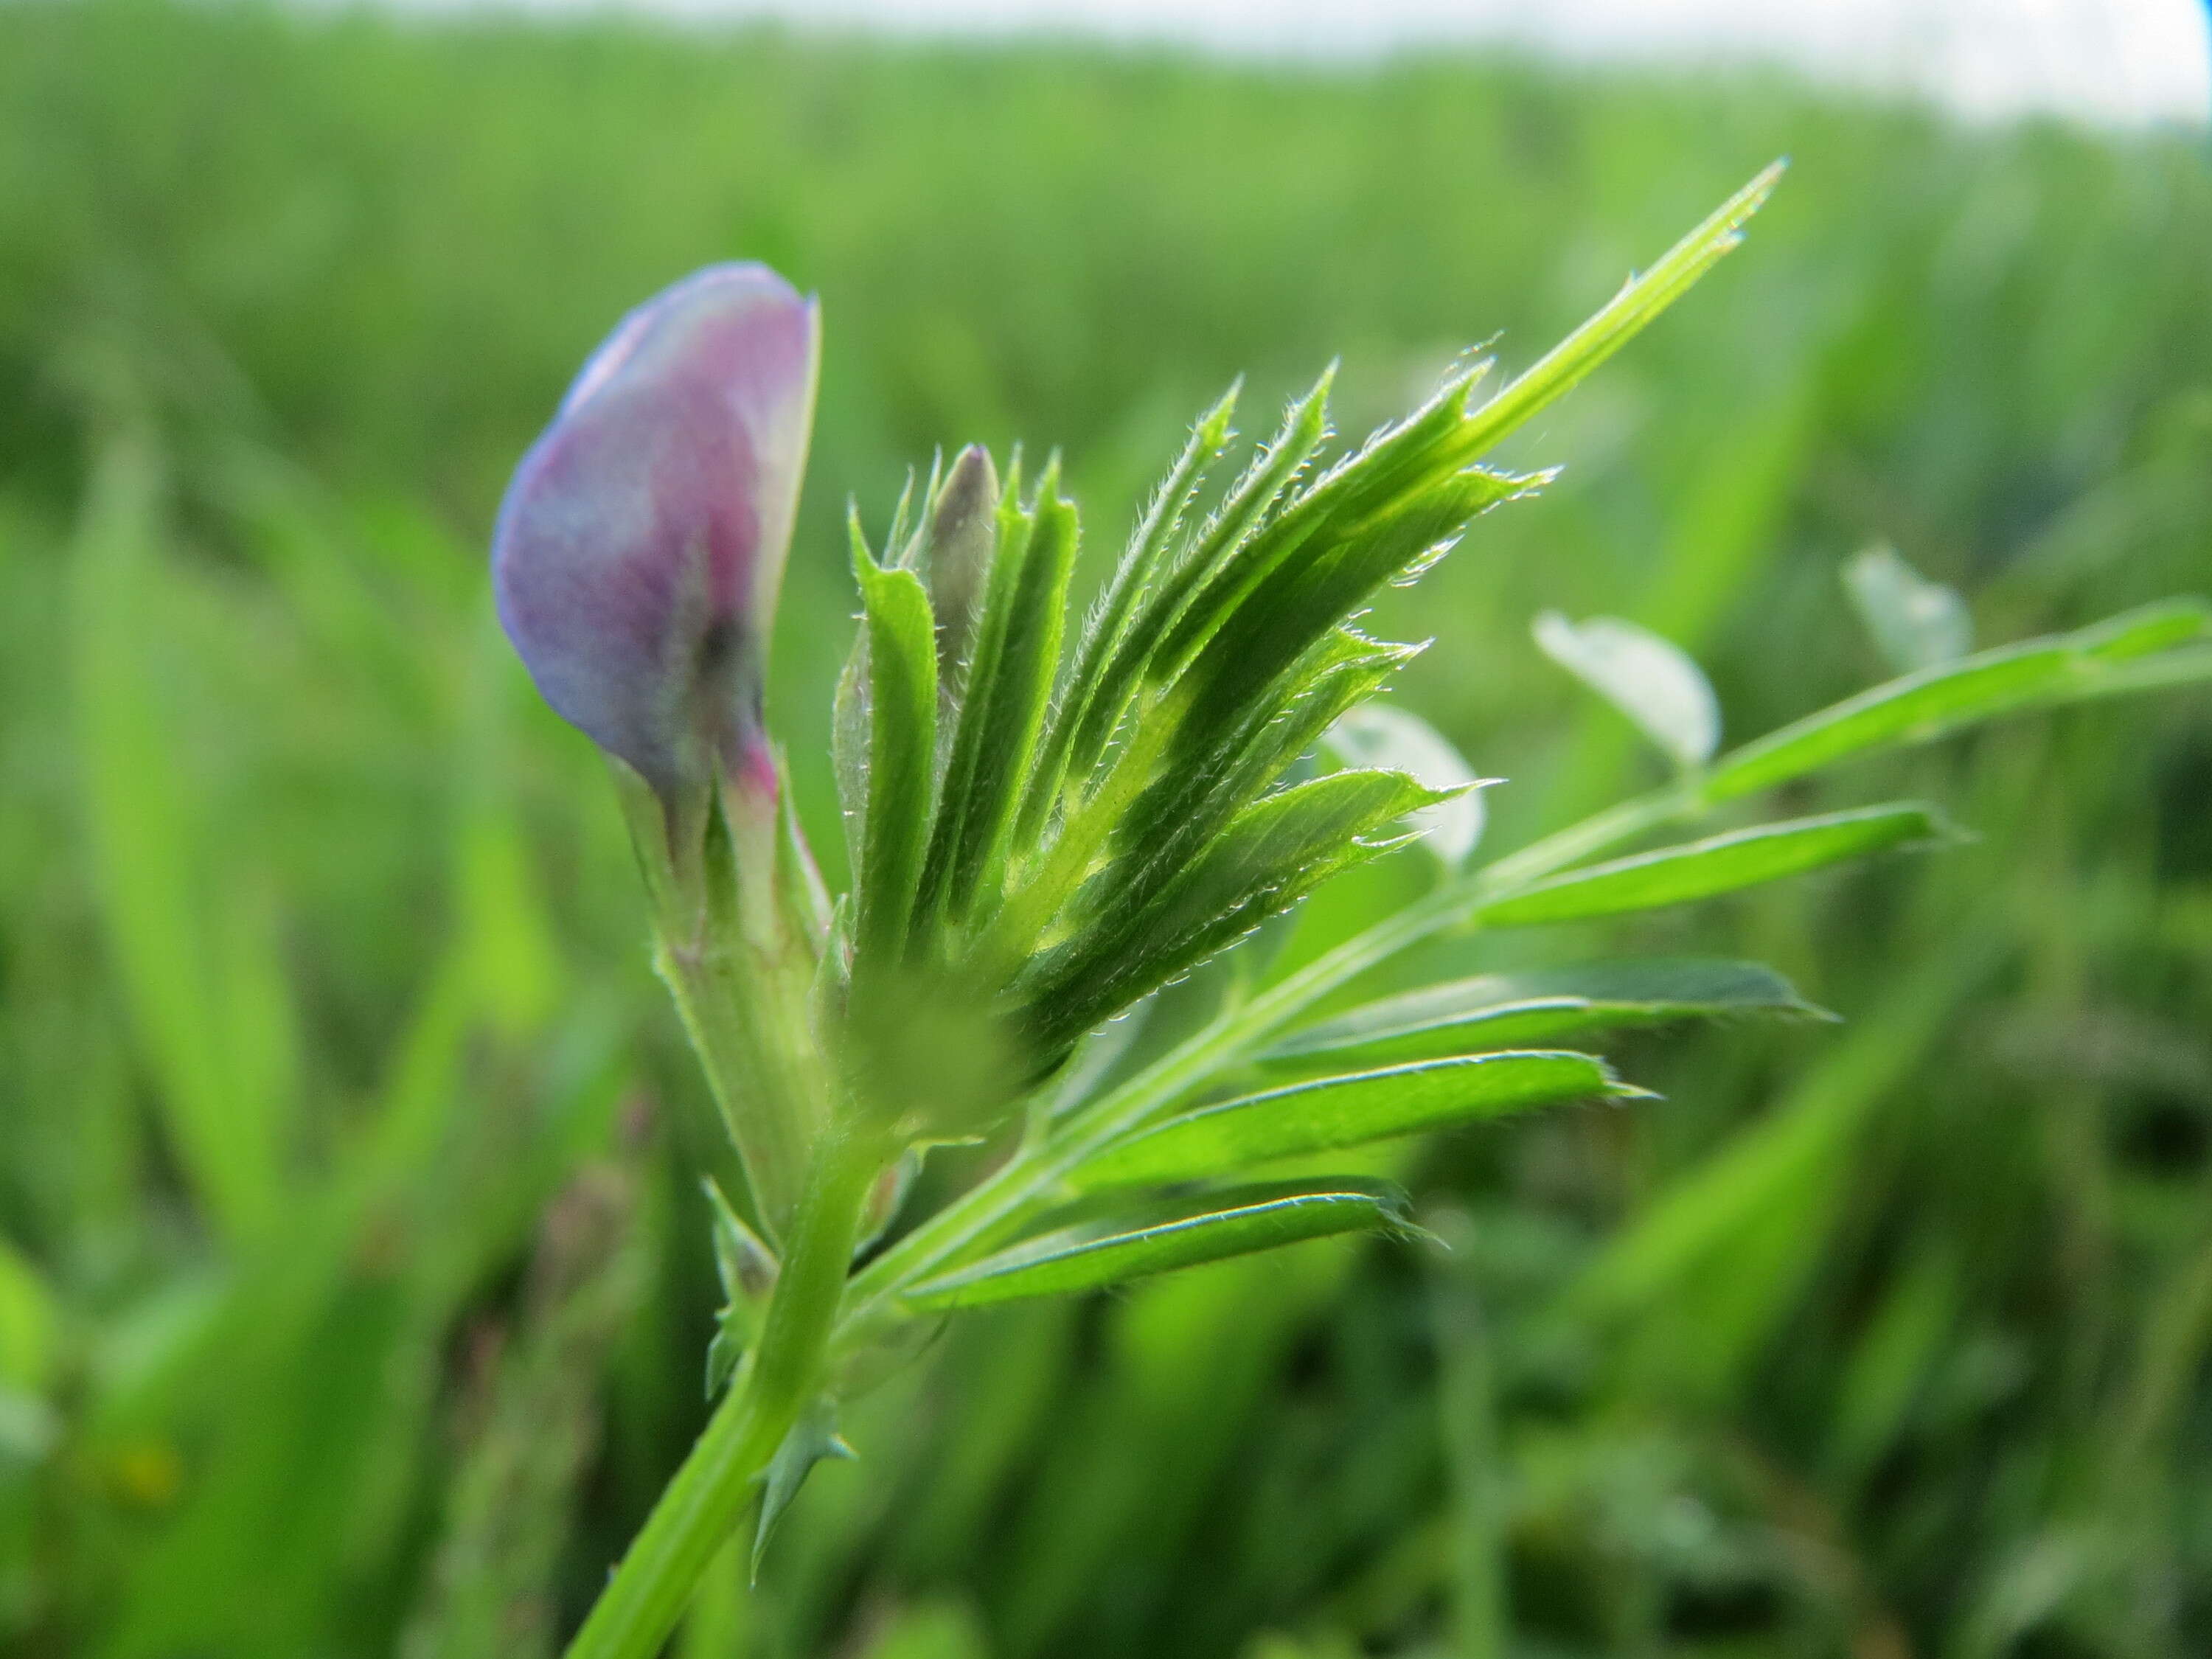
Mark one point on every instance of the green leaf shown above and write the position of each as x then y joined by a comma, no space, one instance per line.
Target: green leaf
813,1438
2191,665
802,896
1915,623
1348,1111
1919,708
902,542
1378,735
1496,1010
1378,514
1096,699
849,750
1720,864
1270,856
1308,575
193,1015
1417,470
1228,649
1649,679
1157,1238
1149,827
1191,602
1185,809
901,725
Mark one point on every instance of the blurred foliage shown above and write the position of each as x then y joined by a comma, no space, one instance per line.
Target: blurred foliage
352,1290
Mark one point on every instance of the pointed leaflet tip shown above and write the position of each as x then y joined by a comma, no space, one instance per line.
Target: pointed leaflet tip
1213,427
1390,738
1620,319
864,557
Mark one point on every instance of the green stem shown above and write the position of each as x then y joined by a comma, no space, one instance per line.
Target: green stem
700,1507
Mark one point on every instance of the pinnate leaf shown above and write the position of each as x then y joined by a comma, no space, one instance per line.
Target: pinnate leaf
1639,302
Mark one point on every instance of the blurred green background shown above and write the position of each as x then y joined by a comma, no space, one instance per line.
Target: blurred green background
353,1280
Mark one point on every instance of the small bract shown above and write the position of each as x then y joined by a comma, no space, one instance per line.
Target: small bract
642,540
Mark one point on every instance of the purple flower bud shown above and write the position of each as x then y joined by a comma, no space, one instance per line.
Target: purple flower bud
641,541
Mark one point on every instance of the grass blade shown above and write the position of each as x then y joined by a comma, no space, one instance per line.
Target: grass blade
161,927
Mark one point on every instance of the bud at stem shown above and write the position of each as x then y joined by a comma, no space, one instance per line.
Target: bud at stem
635,564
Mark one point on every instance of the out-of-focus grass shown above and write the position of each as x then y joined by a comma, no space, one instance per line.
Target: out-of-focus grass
342,1130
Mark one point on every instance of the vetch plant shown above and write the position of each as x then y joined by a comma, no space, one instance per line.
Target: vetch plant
1050,818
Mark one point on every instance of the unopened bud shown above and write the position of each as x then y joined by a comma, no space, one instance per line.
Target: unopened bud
642,540
962,535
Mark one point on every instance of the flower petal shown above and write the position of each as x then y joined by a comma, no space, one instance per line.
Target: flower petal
642,540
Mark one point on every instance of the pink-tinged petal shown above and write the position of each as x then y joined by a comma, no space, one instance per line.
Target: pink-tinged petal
642,540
